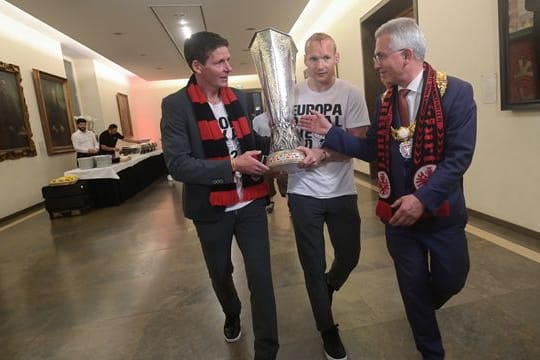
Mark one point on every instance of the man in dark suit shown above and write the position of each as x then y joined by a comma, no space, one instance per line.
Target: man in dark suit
209,145
423,139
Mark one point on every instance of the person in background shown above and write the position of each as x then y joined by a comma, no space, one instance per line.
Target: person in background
108,139
84,141
209,145
262,127
326,192
423,139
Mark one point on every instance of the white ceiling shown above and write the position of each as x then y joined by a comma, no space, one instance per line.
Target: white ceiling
145,47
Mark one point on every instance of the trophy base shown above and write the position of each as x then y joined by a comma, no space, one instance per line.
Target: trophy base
284,161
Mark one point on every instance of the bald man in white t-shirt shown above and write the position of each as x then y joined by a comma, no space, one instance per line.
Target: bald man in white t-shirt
325,193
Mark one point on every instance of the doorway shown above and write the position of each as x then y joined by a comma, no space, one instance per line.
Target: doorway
369,23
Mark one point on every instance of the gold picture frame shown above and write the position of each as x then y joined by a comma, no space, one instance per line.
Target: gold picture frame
15,132
55,111
125,115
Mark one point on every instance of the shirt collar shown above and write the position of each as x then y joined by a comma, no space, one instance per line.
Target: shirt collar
415,85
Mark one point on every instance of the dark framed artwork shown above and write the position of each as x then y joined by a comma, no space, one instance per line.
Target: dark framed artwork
519,36
15,133
55,111
255,102
125,115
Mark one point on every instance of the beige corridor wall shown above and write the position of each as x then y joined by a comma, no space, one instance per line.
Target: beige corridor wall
503,179
22,179
109,83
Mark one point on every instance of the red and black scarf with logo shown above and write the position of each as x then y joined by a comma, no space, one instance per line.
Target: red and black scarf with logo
214,145
428,143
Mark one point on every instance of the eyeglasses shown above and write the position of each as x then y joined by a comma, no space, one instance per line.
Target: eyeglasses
378,58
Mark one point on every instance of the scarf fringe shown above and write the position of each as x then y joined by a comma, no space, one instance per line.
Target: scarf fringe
230,197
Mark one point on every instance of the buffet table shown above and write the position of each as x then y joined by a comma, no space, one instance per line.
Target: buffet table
113,184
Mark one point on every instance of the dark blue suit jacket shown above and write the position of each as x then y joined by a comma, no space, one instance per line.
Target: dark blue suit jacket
459,111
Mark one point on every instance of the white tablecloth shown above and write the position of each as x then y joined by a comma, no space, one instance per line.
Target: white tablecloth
111,172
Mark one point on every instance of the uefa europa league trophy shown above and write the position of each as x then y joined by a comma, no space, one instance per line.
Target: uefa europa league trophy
274,54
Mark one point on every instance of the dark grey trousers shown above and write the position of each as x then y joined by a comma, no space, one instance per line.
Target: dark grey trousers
249,226
343,221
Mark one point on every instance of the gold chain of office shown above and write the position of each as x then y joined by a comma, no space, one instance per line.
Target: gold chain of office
405,133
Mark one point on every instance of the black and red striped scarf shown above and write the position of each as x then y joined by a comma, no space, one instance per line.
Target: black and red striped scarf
428,144
214,145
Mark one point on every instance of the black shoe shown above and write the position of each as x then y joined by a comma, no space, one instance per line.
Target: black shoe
232,330
333,347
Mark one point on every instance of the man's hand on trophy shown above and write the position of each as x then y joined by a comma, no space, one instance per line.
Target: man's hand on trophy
313,157
248,163
315,123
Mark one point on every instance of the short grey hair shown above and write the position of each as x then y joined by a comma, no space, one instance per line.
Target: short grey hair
404,33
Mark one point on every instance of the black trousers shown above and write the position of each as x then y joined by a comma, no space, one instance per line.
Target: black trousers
342,218
431,267
249,225
83,155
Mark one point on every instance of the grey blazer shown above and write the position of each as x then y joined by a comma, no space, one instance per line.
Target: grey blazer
185,159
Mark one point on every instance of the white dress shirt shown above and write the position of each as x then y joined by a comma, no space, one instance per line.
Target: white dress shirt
82,141
414,95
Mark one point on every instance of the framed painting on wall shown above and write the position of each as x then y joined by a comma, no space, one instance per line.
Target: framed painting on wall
255,102
15,133
125,116
55,111
519,37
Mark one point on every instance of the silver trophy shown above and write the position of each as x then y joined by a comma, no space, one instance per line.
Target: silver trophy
274,55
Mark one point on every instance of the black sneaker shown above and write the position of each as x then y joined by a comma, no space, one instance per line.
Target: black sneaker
333,347
232,330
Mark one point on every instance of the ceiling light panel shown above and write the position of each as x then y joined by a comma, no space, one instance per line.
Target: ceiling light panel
179,22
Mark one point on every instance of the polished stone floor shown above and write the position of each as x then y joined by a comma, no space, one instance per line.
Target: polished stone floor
129,282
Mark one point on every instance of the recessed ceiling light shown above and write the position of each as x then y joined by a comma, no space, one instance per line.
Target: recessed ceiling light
186,31
118,33
250,29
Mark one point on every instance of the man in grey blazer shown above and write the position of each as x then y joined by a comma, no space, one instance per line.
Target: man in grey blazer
209,145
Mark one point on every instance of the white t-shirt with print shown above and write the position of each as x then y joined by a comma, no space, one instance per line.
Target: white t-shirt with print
232,144
345,107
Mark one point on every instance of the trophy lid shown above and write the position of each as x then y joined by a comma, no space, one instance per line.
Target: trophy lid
271,32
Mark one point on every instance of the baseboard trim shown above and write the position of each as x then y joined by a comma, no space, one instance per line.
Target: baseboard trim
517,228
364,176
22,213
